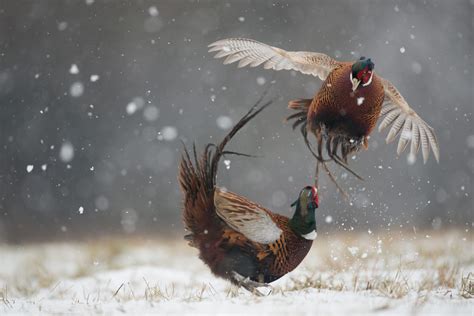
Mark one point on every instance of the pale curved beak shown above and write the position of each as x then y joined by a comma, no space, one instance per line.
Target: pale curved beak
355,84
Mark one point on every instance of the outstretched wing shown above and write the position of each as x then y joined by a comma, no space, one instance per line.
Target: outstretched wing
252,53
407,123
246,217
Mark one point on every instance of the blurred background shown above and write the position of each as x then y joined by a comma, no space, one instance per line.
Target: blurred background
96,95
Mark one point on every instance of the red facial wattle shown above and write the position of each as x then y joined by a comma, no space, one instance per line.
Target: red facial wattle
364,75
315,195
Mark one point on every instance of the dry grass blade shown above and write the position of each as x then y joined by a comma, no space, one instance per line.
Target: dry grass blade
4,297
119,288
467,286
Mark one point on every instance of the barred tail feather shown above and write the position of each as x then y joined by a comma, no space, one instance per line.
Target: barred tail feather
197,179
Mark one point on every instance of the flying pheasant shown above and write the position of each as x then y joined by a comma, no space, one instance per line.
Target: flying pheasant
238,239
345,110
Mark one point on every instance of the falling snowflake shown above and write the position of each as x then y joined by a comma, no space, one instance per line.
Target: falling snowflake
81,210
62,26
360,100
29,168
411,159
224,122
76,89
94,78
131,108
153,11
169,133
227,164
74,70
151,113
66,153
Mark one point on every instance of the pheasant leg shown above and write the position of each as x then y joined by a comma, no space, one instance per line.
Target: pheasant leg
248,284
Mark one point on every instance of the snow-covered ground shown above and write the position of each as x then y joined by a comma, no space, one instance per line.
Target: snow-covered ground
400,273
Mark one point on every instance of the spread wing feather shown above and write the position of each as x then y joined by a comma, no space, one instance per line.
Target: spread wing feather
246,217
404,119
252,53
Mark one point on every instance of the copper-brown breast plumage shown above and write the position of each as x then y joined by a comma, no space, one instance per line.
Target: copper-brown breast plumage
338,107
289,250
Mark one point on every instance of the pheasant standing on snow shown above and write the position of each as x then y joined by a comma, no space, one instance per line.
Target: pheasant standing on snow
345,110
238,239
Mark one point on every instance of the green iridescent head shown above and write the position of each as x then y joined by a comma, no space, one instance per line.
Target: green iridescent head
303,222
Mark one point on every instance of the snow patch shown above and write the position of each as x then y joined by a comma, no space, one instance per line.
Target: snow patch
353,250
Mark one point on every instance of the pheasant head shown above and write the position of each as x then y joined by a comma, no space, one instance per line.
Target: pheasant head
362,73
303,221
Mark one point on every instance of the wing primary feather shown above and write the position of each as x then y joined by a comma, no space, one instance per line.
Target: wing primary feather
231,59
415,140
433,142
425,150
405,137
397,125
392,116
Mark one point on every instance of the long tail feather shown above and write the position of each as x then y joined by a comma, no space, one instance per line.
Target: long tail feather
197,178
